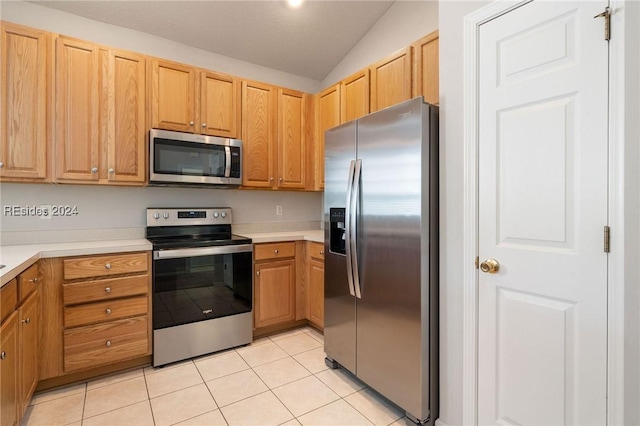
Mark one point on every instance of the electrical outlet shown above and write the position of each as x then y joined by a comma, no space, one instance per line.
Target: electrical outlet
278,210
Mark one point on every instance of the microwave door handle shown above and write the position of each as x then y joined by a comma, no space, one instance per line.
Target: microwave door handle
227,161
347,228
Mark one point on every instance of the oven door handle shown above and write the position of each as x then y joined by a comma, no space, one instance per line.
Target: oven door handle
201,251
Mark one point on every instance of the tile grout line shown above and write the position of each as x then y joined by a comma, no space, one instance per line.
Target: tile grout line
209,390
146,386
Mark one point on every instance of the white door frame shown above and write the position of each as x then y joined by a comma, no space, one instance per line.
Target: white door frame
616,269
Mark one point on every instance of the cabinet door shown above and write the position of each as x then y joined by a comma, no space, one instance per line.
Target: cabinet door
355,96
173,88
28,314
391,80
427,68
9,371
258,135
25,82
219,105
77,124
315,303
328,116
292,143
274,293
123,92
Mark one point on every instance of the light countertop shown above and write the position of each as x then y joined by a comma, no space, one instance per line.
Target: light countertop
316,235
18,258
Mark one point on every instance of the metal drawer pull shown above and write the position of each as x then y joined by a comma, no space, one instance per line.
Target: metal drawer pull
257,272
3,355
108,266
276,251
26,321
321,251
107,289
34,280
108,311
108,343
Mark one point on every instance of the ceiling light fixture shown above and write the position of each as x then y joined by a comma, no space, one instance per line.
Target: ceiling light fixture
294,3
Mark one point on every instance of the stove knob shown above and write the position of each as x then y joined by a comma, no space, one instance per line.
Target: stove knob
156,216
216,214
223,214
165,215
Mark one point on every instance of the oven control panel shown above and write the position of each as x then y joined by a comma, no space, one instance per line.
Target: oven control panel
188,216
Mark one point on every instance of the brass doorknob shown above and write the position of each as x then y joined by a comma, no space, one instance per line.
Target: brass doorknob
490,266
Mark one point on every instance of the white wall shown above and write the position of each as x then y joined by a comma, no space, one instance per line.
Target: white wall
64,23
451,16
404,23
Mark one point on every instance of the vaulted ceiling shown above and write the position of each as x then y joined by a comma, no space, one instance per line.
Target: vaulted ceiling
308,41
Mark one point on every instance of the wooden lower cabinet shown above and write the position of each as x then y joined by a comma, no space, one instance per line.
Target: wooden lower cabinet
19,345
315,284
97,314
9,371
29,327
275,293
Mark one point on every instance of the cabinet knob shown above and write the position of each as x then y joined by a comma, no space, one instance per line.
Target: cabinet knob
1,166
107,311
3,355
204,125
94,170
108,343
34,280
321,251
108,266
271,179
276,251
280,179
26,321
111,171
191,123
257,272
107,289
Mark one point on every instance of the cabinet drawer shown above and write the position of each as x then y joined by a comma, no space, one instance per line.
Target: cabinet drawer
27,282
99,266
8,299
316,250
274,250
94,291
105,343
104,311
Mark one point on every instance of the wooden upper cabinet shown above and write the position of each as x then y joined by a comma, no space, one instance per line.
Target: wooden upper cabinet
258,135
391,80
328,107
219,105
173,89
427,82
292,139
25,78
123,100
355,96
77,125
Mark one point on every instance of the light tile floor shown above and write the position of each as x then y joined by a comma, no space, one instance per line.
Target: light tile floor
277,380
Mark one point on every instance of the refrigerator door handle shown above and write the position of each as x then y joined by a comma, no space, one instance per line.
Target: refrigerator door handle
347,227
354,228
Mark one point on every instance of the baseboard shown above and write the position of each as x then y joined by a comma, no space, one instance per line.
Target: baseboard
440,423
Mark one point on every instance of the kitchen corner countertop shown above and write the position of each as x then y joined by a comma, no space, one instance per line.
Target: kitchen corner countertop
20,257
315,235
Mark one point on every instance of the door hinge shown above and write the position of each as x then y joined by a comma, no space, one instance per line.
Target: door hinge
607,22
477,262
607,239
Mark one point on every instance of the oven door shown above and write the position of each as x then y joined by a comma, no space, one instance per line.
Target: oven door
197,284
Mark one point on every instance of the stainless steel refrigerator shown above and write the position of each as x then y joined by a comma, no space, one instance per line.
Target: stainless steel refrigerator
381,266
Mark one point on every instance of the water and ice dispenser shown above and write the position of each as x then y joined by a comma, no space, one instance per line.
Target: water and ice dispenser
337,236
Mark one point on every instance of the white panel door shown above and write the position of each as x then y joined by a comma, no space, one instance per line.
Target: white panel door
543,95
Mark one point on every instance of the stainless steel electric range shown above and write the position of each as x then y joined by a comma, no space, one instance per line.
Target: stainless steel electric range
202,283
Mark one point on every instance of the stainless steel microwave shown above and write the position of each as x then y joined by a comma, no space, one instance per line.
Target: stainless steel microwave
177,158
